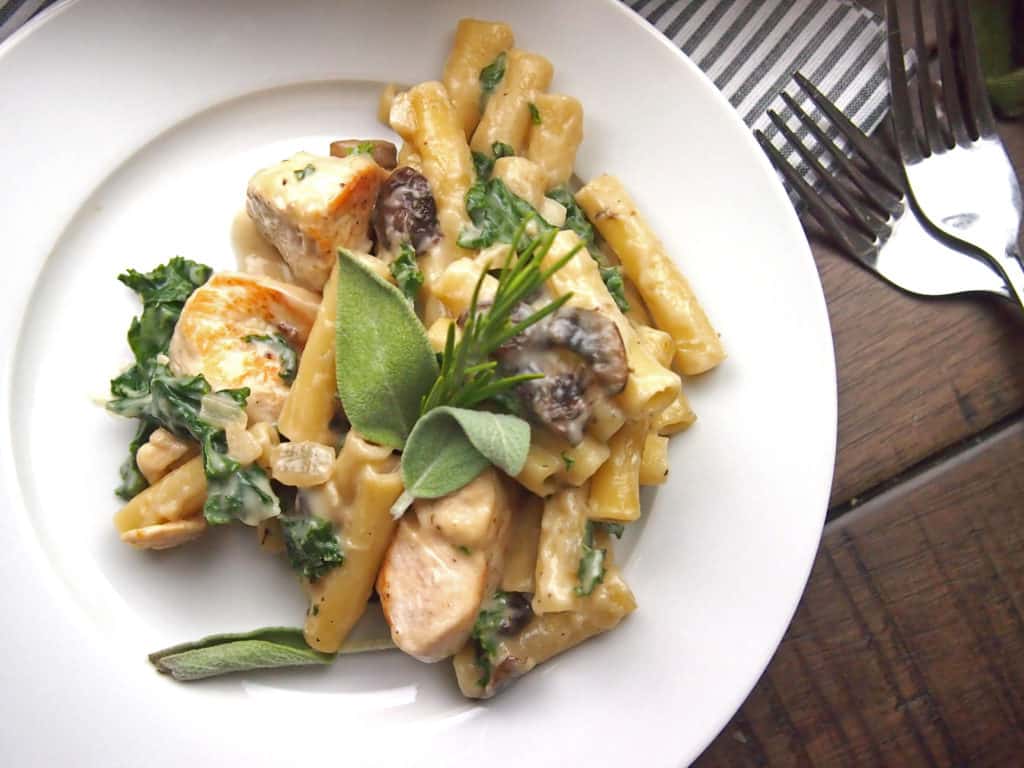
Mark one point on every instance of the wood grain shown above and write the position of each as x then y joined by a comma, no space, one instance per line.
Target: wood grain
908,647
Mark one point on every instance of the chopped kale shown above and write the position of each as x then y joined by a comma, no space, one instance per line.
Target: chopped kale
313,547
406,271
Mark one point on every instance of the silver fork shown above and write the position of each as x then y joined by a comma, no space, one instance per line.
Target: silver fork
958,173
881,231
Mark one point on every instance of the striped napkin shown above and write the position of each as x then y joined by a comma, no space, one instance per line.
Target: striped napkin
750,49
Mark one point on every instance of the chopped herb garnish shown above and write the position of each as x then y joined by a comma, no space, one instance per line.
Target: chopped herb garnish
501,149
612,277
464,549
362,148
568,461
313,547
483,165
406,271
591,570
288,362
490,76
304,172
534,114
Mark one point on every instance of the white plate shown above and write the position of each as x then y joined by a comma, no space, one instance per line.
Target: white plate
128,133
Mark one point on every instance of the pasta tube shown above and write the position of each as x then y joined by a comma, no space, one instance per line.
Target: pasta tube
426,120
506,118
309,407
521,552
654,461
545,636
666,292
562,528
553,140
366,482
477,44
615,489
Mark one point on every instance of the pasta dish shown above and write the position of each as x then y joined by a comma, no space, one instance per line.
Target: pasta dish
438,384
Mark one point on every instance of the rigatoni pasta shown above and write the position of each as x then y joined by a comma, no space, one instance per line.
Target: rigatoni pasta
477,44
666,292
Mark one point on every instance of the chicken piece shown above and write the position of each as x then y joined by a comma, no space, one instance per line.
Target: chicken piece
308,206
232,330
445,560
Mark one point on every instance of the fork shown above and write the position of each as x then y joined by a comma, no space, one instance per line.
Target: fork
882,232
958,173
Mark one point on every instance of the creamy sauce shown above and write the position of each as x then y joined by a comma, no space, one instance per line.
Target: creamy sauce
253,254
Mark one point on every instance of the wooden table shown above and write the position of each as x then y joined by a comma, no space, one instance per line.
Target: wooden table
908,645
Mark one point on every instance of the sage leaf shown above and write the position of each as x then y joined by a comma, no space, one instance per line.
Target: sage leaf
384,362
449,447
267,648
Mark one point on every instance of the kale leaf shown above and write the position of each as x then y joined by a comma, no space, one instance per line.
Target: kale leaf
490,76
483,165
164,292
279,345
500,149
591,569
612,277
313,547
496,214
504,614
406,271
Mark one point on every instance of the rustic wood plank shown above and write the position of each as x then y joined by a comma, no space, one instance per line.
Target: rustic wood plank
908,647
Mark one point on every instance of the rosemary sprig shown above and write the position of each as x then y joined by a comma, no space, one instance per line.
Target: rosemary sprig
468,376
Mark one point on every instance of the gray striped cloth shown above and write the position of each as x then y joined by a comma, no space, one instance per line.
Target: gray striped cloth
750,49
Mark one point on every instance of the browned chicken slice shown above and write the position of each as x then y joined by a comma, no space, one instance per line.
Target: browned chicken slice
233,330
310,205
445,560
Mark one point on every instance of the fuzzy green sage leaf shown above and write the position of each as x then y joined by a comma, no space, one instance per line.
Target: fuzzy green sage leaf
451,446
267,648
384,361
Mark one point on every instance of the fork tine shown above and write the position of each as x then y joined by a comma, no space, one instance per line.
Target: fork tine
954,114
888,170
847,237
864,218
899,95
876,194
934,139
977,93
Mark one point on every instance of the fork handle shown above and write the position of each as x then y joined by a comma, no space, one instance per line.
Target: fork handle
1012,270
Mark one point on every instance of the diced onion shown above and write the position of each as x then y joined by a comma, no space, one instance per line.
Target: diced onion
266,435
242,446
302,464
221,411
553,212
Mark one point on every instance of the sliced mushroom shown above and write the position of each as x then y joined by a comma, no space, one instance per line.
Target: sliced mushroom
384,153
582,356
406,212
